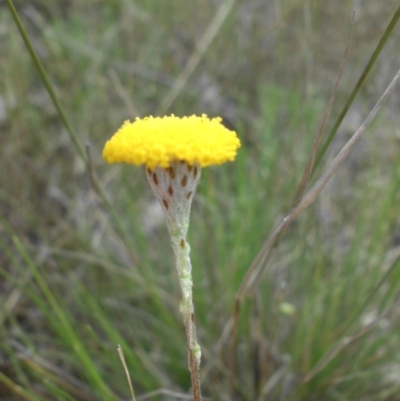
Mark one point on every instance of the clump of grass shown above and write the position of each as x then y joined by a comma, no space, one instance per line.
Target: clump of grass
323,319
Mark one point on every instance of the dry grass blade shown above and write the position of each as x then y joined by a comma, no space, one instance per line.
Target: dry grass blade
99,191
254,273
205,42
358,85
123,94
47,83
307,173
72,133
344,343
14,298
90,170
168,393
122,358
16,388
51,372
250,281
300,189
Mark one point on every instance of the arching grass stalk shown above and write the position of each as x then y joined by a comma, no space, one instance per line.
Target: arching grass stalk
84,155
173,151
379,47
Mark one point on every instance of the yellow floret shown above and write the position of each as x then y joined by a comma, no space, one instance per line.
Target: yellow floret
160,141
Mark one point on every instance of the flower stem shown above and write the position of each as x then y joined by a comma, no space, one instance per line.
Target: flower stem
183,265
174,188
194,360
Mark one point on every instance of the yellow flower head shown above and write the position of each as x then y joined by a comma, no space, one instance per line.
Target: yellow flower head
160,141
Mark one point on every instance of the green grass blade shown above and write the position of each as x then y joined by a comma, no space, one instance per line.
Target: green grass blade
16,389
72,133
46,81
69,333
357,87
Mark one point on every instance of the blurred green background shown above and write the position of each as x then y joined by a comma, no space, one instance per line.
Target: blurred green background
75,280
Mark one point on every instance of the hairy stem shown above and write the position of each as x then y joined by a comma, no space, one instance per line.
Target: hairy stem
183,265
174,188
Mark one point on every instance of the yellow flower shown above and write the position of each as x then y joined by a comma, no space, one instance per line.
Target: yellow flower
160,141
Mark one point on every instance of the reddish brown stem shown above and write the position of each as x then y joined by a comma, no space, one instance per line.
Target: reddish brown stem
194,366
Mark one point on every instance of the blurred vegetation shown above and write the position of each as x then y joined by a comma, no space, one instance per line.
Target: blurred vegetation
324,322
